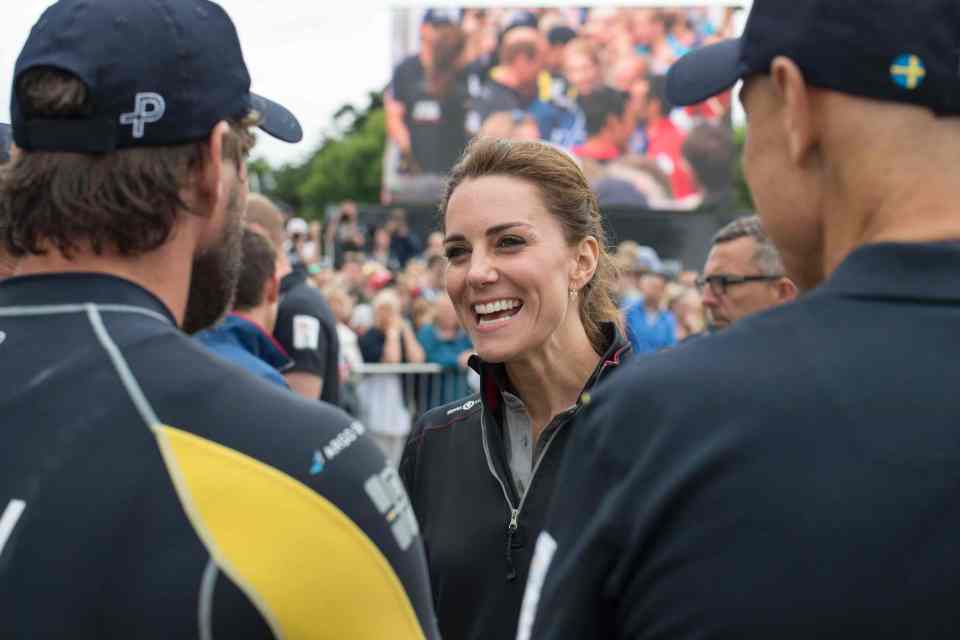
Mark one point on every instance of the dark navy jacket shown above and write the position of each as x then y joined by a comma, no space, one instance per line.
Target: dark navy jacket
478,532
245,343
795,476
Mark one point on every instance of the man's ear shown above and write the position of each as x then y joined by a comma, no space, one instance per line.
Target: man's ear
209,171
587,259
796,107
271,289
786,290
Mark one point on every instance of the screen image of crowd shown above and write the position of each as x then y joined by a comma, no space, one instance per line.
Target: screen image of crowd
590,81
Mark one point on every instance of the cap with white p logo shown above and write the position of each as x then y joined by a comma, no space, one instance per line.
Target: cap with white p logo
148,107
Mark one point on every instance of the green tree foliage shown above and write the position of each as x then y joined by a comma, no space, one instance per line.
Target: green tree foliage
744,197
347,168
347,165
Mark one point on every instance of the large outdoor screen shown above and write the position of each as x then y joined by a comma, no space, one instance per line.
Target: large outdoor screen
590,81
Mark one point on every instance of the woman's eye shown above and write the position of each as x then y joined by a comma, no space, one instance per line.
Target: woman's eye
453,253
509,242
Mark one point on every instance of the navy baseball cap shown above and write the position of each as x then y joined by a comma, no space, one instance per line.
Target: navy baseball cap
157,72
897,50
441,16
561,34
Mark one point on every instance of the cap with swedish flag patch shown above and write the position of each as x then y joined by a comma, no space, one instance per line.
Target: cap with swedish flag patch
897,50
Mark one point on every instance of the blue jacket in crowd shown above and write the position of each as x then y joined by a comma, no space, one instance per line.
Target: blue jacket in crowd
453,384
648,337
244,343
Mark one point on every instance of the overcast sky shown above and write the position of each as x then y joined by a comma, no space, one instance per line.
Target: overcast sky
310,55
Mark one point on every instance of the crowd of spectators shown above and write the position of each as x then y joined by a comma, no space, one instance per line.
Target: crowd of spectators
590,81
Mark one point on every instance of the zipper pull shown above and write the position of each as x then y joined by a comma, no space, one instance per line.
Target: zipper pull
511,529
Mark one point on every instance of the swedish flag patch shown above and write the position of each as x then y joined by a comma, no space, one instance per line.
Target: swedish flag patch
908,71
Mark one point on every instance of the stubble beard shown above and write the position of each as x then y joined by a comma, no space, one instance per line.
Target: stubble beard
216,271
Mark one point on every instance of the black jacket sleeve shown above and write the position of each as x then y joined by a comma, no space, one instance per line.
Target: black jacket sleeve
300,331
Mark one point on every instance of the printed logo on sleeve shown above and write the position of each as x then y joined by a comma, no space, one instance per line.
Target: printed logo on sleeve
306,332
390,498
539,565
466,406
319,462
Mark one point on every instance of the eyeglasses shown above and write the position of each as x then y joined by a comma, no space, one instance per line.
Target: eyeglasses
720,281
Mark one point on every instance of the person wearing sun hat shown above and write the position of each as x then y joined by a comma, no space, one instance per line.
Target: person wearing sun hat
794,476
149,489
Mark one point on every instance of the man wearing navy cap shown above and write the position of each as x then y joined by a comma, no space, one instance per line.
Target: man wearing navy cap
795,476
149,489
426,101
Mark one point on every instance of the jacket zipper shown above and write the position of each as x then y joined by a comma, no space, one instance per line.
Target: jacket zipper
513,524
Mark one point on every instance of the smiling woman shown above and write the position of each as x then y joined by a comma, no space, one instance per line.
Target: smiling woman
529,275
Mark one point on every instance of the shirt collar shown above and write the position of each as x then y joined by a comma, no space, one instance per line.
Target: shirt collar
297,275
494,381
256,340
914,271
80,288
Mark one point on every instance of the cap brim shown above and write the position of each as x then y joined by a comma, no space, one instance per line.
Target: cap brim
705,72
276,119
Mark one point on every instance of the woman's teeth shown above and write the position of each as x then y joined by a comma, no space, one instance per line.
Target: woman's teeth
497,305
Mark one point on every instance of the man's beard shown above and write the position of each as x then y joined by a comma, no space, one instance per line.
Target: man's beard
216,272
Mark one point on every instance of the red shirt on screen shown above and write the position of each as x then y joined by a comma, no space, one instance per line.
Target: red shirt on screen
712,109
596,150
666,147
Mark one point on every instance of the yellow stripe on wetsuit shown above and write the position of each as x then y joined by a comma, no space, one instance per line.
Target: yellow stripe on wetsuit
293,552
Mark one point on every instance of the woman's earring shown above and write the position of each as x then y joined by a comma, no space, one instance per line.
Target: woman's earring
573,293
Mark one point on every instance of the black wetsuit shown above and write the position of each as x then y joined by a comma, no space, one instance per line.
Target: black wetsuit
149,489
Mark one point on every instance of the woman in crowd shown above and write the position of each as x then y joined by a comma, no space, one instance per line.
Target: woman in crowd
389,341
445,343
529,276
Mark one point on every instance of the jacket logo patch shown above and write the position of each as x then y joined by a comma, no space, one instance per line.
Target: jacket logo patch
306,332
341,442
466,406
319,462
389,497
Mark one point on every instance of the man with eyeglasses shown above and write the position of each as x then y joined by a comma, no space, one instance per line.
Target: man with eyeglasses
743,274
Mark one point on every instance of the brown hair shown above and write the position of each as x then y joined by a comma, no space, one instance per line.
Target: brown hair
258,267
262,212
126,201
566,195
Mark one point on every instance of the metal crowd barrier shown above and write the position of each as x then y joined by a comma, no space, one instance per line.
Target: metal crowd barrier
392,396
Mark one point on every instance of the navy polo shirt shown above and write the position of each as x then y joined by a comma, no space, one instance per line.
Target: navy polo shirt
796,476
